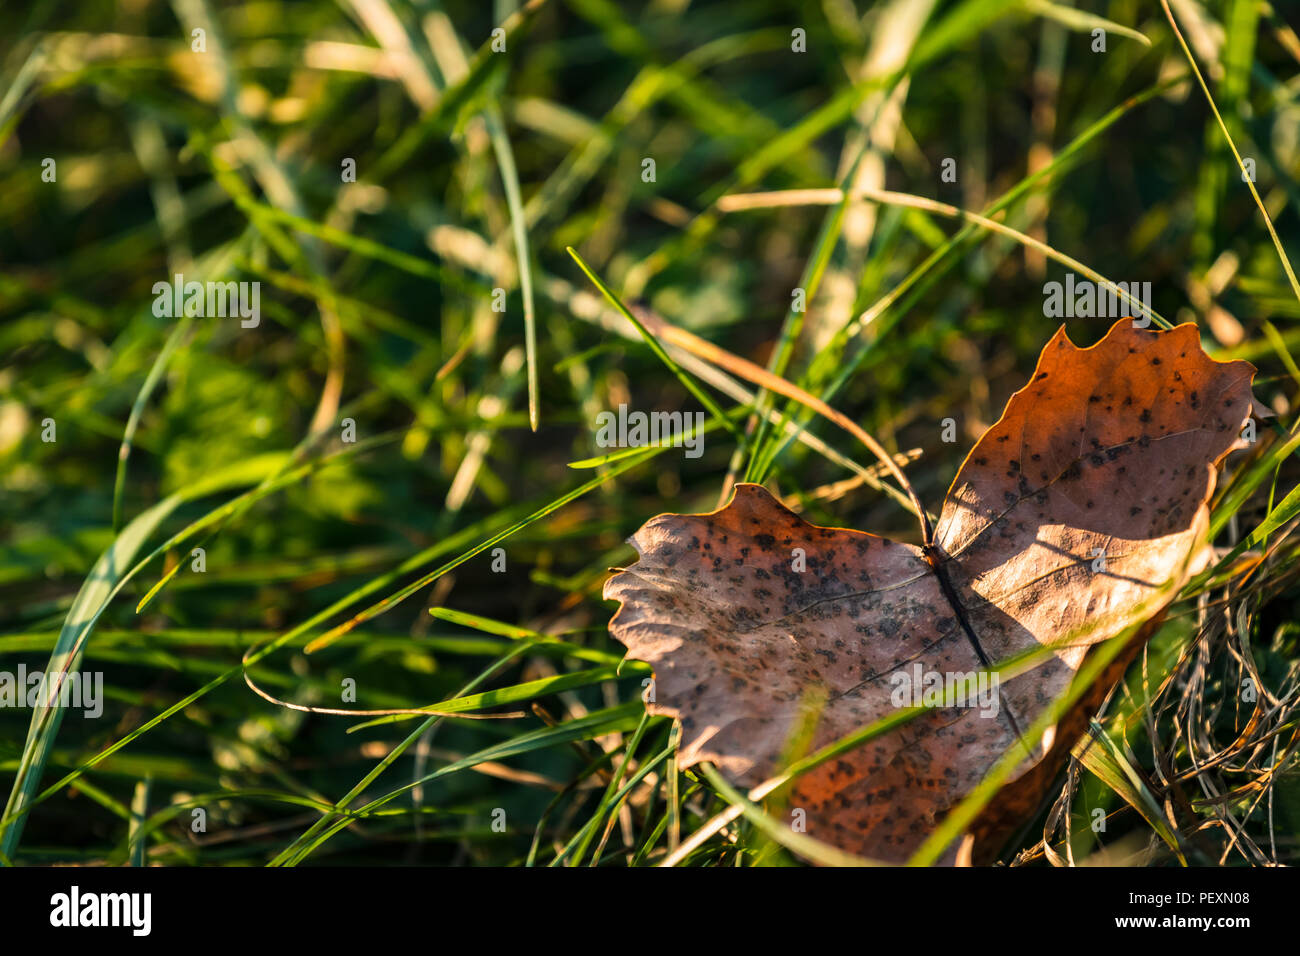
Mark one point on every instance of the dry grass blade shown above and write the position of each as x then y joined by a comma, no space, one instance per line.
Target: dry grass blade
737,202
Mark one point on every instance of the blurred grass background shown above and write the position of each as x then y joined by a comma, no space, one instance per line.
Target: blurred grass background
377,306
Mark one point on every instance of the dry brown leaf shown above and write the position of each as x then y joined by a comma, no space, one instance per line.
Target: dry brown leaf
1108,451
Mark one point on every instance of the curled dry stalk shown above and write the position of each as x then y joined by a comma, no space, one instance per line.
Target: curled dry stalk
396,711
1221,734
747,370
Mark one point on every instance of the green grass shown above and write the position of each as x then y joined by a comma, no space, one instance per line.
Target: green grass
328,562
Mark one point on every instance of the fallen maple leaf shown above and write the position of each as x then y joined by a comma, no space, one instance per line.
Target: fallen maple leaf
1078,514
